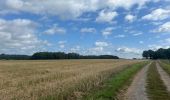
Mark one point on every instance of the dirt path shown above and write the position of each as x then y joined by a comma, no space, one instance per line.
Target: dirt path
136,91
164,76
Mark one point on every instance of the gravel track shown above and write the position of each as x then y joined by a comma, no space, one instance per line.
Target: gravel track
136,90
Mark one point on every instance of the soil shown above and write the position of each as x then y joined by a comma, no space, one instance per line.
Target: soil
137,90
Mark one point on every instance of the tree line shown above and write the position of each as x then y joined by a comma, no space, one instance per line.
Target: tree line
14,57
158,54
62,55
55,55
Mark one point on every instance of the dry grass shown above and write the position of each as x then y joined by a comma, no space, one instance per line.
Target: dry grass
53,80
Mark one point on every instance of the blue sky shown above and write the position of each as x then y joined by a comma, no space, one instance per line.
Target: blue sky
118,27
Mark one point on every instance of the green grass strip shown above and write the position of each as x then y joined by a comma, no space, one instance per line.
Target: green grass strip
165,61
111,87
156,89
165,66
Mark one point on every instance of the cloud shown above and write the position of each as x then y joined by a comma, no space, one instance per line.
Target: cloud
128,50
127,4
107,31
60,8
158,14
162,44
163,28
88,30
14,4
156,46
96,50
119,36
106,16
55,29
73,8
167,40
101,44
99,48
130,18
62,44
137,34
134,32
19,35
76,49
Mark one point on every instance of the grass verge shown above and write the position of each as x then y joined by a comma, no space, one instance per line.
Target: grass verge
156,89
165,61
112,86
165,66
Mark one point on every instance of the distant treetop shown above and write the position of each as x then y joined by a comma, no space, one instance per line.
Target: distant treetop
158,54
54,55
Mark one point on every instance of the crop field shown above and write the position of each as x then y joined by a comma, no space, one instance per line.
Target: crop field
54,79
84,79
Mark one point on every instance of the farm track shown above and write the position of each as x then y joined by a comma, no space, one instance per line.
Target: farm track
136,90
164,76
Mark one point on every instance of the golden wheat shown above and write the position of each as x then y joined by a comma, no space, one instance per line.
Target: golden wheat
59,80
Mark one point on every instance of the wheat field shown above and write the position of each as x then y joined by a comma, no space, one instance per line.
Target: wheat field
56,79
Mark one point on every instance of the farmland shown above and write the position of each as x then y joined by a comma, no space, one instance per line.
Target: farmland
55,79
89,79
84,49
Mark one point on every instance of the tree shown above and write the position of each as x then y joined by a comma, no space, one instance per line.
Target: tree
145,54
158,54
62,55
150,54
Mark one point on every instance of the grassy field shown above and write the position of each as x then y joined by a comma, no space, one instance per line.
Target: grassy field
156,89
62,79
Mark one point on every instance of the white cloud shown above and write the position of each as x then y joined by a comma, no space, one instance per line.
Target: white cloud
88,30
128,50
89,51
158,14
107,31
156,46
106,16
55,29
63,8
156,23
127,4
167,40
75,49
137,34
96,50
162,44
62,44
99,48
18,34
163,28
101,44
130,18
119,36
14,4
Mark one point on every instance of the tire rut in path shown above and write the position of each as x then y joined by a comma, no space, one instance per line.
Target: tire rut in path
136,90
164,76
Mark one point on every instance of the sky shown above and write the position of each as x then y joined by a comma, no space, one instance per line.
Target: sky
89,27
